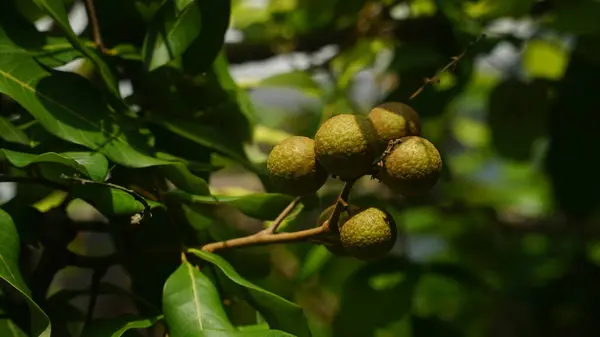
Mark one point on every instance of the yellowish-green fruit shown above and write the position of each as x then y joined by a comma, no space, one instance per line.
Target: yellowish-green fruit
293,167
346,146
394,120
412,167
369,234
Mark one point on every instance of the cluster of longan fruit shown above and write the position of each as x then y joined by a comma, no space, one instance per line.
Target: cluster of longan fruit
385,144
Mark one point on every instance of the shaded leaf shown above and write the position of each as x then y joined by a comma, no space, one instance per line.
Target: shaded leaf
110,201
11,133
172,31
315,260
205,49
280,313
116,327
56,10
263,206
191,304
9,329
90,164
11,276
387,285
250,333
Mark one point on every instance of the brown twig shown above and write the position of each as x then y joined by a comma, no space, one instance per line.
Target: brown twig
91,12
273,227
339,204
260,239
454,61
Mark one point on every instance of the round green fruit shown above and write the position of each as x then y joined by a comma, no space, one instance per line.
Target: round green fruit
346,146
369,234
394,120
293,167
412,167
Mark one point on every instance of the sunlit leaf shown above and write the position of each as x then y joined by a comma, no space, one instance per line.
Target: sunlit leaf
280,313
299,80
11,133
544,59
191,304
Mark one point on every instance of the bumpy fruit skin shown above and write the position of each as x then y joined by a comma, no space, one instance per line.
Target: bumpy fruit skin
346,146
369,234
412,167
394,120
293,167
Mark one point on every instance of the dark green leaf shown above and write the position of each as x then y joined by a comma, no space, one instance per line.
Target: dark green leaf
116,327
172,31
215,21
191,304
11,133
11,276
280,313
109,201
263,333
9,329
316,259
263,206
89,164
386,285
56,9
182,178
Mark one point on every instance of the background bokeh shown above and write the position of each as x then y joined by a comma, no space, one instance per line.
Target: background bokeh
507,243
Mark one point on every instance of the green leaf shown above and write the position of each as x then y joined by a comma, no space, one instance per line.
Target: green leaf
263,206
316,259
299,80
280,313
116,327
205,49
108,201
181,177
544,59
9,329
206,135
13,134
90,164
250,333
491,9
56,9
68,107
10,274
386,285
171,33
191,304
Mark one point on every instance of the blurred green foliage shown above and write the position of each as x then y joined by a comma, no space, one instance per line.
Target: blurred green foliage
507,244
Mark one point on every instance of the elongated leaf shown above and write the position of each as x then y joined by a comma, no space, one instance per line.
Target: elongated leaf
68,107
56,9
205,135
90,164
9,273
280,313
215,21
109,201
191,304
171,33
116,327
250,333
9,329
263,206
11,133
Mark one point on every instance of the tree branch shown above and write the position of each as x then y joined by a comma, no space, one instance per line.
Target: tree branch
273,227
260,239
451,65
91,12
340,203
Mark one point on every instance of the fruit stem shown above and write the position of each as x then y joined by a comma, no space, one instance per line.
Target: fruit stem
261,238
273,227
91,12
339,205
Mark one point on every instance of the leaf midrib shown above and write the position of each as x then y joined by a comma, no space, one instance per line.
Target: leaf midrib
195,295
